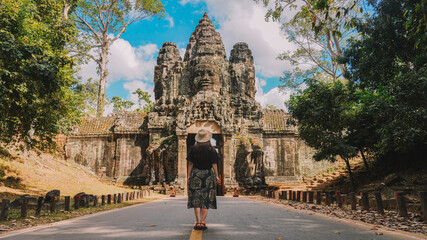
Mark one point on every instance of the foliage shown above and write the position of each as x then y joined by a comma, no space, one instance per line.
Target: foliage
35,71
88,94
417,23
271,107
143,97
322,113
382,108
393,91
320,30
248,142
157,142
100,24
120,105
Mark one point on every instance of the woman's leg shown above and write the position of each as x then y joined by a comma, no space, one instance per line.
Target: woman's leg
197,213
204,214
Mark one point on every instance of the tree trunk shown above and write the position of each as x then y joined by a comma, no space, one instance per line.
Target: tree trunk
66,9
350,174
102,64
339,54
364,158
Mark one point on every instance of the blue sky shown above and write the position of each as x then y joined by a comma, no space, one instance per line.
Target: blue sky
133,57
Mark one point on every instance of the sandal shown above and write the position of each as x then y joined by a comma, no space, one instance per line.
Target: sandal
198,226
203,227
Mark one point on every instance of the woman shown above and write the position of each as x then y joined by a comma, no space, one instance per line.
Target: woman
202,158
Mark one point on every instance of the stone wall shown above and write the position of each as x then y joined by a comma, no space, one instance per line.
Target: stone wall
114,157
131,158
281,162
97,153
307,167
287,158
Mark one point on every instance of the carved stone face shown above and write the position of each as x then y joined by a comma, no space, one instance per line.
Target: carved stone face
206,77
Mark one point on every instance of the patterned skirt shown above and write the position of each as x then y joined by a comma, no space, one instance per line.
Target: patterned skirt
202,189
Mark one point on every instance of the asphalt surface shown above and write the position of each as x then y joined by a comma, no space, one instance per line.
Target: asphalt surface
235,219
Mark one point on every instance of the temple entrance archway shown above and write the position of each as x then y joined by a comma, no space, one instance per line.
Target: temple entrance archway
216,141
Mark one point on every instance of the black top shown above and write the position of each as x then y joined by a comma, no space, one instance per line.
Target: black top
203,155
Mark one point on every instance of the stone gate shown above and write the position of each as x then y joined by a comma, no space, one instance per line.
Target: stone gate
203,90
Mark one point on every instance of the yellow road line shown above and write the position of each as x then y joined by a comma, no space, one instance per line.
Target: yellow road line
196,234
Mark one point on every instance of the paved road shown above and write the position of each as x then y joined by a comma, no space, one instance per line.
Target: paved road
236,218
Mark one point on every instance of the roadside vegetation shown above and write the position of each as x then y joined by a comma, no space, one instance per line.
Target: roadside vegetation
42,45
366,92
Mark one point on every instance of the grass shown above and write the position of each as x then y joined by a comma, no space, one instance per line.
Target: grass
37,173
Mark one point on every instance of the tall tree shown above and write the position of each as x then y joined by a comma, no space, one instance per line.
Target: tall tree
144,102
388,65
320,29
120,105
35,71
101,23
87,91
322,114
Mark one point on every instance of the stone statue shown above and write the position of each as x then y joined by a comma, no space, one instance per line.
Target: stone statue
206,77
242,70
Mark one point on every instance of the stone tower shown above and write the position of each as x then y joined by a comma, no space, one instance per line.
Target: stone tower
205,85
205,89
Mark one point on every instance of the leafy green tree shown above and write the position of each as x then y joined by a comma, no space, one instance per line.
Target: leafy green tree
120,105
35,71
87,92
144,102
322,114
320,29
388,72
101,23
270,107
417,22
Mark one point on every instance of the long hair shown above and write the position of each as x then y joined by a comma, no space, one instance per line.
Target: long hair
201,150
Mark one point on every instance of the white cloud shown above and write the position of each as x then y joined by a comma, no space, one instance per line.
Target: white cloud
170,20
126,63
183,2
134,65
273,97
182,52
134,85
108,109
244,21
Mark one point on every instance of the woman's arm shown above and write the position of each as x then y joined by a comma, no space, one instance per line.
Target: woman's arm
190,167
215,167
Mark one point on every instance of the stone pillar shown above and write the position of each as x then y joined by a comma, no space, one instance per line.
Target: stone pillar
117,171
228,161
182,160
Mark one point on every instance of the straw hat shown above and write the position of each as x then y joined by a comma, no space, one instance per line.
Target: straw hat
203,136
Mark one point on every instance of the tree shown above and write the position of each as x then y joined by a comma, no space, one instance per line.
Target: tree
143,97
322,114
417,22
120,105
388,66
35,71
320,30
88,95
101,23
270,107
